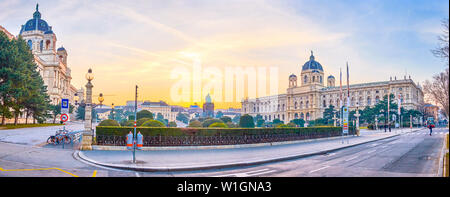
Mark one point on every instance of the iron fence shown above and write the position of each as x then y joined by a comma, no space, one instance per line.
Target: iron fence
160,140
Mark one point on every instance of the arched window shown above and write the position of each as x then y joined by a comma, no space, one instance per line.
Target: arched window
314,79
301,104
369,101
302,116
282,117
324,103
295,105
296,115
47,44
41,45
30,44
307,104
320,79
305,80
307,115
377,99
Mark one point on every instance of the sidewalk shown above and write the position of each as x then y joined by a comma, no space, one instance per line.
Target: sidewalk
197,159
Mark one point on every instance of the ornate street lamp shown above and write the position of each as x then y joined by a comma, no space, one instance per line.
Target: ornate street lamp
112,112
385,119
100,99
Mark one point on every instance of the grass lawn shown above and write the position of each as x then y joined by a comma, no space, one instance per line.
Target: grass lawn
12,126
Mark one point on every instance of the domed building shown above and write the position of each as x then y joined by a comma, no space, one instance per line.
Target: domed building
309,100
52,62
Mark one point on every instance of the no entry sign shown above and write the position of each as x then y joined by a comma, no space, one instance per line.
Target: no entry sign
64,117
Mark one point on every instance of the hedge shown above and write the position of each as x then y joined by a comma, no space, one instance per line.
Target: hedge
169,131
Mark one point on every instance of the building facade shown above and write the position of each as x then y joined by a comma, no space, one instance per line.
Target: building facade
51,62
308,99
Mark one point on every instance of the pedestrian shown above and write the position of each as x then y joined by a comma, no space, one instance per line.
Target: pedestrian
430,125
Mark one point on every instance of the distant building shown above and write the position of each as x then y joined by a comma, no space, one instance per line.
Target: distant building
159,107
208,107
310,97
431,111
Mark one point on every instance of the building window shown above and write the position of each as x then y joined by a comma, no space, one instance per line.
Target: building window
30,44
305,79
369,101
47,44
313,78
324,103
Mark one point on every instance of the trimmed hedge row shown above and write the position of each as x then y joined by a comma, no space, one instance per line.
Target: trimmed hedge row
168,131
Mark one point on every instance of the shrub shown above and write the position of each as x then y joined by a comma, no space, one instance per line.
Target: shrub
231,125
291,124
282,125
153,123
109,123
141,121
246,121
208,122
210,131
218,124
195,123
172,124
128,123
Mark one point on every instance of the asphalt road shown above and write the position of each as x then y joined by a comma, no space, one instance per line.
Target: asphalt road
411,155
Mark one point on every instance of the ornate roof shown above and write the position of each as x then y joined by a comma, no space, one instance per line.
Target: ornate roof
36,23
312,64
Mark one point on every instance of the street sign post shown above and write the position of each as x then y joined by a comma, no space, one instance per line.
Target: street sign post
344,122
65,106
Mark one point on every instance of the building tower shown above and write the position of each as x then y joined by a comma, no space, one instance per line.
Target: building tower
208,107
292,81
312,72
330,81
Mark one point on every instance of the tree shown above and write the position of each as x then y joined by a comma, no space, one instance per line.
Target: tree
299,122
160,117
260,122
328,114
437,90
246,121
219,114
182,117
226,119
442,50
144,114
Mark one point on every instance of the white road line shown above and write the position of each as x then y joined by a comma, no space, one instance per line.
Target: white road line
270,171
352,158
319,169
331,154
249,173
371,151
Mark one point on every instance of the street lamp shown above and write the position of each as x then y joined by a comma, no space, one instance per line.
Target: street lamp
112,106
100,99
385,119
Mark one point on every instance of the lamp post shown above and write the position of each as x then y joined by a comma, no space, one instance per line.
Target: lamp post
376,122
112,111
357,114
88,133
385,119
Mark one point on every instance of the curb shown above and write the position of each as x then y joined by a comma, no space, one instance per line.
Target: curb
134,167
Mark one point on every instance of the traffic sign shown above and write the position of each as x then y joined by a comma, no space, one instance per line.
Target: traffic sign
64,106
345,120
64,117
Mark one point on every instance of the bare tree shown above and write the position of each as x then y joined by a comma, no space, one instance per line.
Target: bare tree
437,90
442,50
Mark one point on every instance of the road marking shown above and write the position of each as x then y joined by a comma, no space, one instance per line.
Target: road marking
372,145
331,154
371,151
94,174
249,173
319,169
352,158
266,172
18,170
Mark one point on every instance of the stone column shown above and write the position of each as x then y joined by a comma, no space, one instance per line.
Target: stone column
86,144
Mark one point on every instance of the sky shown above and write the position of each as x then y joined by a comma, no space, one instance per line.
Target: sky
142,42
